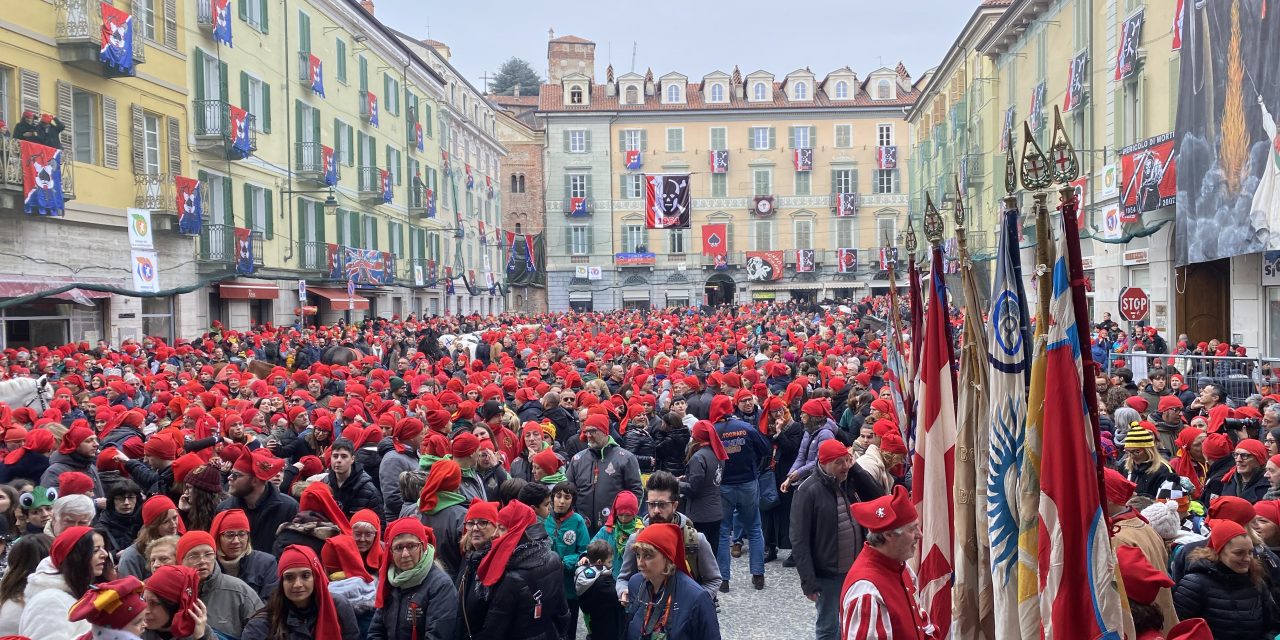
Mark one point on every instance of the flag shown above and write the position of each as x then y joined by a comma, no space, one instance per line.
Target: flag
1127,52
42,179
721,262
1006,131
470,281
484,238
117,40
764,266
432,279
666,202
315,73
715,239
384,179
1178,17
371,107
846,260
1035,114
244,250
1075,82
578,206
846,204
719,161
389,267
887,157
190,209
221,10
888,258
1077,594
444,161
448,280
493,284
328,166
805,261
471,180
804,159
511,251
633,159
239,124
530,263
933,465
364,266
1007,352
334,258
418,136
488,185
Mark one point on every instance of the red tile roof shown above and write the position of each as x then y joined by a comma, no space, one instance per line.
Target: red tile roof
572,40
514,101
552,99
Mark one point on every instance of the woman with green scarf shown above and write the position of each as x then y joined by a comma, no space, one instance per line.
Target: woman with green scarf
621,524
443,509
416,600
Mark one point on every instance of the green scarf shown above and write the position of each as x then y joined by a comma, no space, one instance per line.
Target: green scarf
469,472
553,479
413,577
426,460
621,533
446,499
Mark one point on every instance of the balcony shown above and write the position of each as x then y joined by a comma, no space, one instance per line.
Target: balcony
213,128
309,159
367,114
589,205
156,192
204,15
313,256
218,245
78,32
419,203
11,175
369,183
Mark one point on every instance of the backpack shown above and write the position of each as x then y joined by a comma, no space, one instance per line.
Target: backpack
691,550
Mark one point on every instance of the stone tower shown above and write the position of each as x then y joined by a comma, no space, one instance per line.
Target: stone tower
570,54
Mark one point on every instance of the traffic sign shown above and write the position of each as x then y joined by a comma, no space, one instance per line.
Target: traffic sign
302,291
351,295
1134,304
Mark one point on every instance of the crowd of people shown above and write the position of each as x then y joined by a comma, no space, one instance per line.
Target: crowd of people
553,473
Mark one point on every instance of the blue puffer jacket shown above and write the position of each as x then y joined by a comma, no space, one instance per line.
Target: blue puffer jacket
693,614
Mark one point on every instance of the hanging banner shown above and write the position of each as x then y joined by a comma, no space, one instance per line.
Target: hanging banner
190,209
42,179
140,236
805,261
244,250
315,72
328,166
1075,82
633,160
146,271
719,161
846,260
364,266
1149,178
1127,52
667,201
714,239
221,10
239,121
763,266
371,107
117,40
384,178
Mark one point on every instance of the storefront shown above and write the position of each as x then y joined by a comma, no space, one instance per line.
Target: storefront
76,314
580,301
636,299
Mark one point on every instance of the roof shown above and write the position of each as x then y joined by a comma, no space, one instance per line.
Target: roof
434,43
996,3
513,101
572,40
552,99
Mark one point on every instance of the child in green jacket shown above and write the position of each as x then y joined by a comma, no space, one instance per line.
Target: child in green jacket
569,539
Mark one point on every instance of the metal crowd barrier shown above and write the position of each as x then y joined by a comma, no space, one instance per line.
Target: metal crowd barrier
1239,377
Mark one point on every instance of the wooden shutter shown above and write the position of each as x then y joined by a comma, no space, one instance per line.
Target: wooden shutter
65,116
813,137
644,140
171,24
568,240
175,145
350,143
297,117
622,141
265,11
268,207
791,137
244,9
223,79
229,216
318,212
853,180
587,180
568,190
244,93
773,141
835,182
248,206
567,136
29,90
586,140
198,61
304,32
137,139
110,133
266,109
303,222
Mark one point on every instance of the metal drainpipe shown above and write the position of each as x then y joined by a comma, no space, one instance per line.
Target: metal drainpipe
288,130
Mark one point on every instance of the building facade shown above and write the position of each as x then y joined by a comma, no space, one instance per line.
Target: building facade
805,180
125,124
523,134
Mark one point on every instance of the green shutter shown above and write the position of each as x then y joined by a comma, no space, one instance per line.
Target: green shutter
266,108
302,220
586,140
341,47
588,182
315,125
265,10
318,213
567,135
568,190
244,90
199,68
622,141
223,77
267,198
244,9
226,197
350,143
426,122
360,151
813,137
297,115
773,140
342,227
304,32
644,140
248,206
364,73
791,137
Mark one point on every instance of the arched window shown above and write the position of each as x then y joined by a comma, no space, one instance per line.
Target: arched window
758,91
522,183
673,93
717,93
802,91
842,90
575,95
517,228
882,90
515,184
633,95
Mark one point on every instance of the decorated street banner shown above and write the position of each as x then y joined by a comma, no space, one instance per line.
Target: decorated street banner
715,239
719,161
444,163
1127,52
384,179
328,166
371,107
846,204
431,203
448,281
846,260
419,276
1075,82
764,266
244,250
578,206
471,180
888,258
146,271
1081,187
666,201
1178,14
887,157
1148,176
140,236
389,267
364,266
239,121
315,72
1228,142
432,278
190,208
222,21
1007,130
42,179
526,260
418,136
335,259
488,185
805,262
804,159
117,40
633,160
1035,115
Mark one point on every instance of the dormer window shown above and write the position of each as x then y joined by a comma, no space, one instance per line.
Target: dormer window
717,93
758,91
884,90
842,90
673,93
801,91
575,94
633,95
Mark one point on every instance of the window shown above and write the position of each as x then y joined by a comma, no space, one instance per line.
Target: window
517,183
148,18
717,92
719,185
762,182
884,135
804,234
255,208
804,182
758,91
673,93
578,141
634,239
632,140
575,95
86,122
677,240
157,317
577,185
579,239
886,230
762,235
370,235
675,140
844,181
255,13
342,143
761,138
1131,121
632,186
885,179
7,94
801,138
391,94
340,46
884,90
151,143
719,139
842,90
393,164
844,233
256,104
801,91
633,95
844,136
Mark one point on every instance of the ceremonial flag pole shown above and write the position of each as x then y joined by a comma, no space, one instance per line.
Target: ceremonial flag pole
934,461
903,399
972,595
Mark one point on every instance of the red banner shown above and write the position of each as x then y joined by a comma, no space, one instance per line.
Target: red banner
715,239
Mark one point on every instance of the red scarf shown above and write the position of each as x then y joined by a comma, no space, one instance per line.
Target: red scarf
298,556
516,517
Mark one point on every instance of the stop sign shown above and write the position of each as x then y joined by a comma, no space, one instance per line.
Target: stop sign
1134,304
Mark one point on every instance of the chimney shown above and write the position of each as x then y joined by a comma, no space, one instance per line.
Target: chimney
515,91
367,5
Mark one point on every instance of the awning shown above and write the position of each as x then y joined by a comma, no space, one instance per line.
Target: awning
635,294
338,299
248,291
580,296
18,289
792,286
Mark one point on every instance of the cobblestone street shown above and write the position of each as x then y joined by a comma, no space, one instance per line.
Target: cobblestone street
779,612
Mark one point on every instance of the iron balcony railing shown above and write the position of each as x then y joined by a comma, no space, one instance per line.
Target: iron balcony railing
213,120
155,191
218,244
309,157
313,256
79,22
365,113
204,15
418,202
11,176
369,182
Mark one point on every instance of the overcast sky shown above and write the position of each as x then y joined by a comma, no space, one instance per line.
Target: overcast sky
692,37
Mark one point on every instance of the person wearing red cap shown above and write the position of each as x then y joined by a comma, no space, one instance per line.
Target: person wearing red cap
229,601
1246,479
353,488
113,609
600,471
1128,526
155,472
236,558
1144,584
700,483
253,492
464,449
740,488
76,560
349,580
443,509
302,606
815,414
173,605
878,594
667,602
515,567
1226,586
79,452
415,599
1189,460
406,436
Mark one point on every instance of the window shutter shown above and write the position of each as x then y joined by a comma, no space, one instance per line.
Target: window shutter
342,227
622,141
853,180
835,182
587,180
171,24
265,11
175,145
623,188
244,9
813,137
266,109
567,135
644,140
350,137
586,137
893,188
591,240
64,114
364,73
223,78
298,135
568,240
304,32
568,190
229,216
137,139
198,61
773,140
110,133
244,92
248,206
29,90
267,199
791,137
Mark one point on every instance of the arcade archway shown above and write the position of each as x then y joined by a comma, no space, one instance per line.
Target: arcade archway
720,289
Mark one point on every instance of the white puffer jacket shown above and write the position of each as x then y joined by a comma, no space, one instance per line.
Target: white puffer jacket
49,600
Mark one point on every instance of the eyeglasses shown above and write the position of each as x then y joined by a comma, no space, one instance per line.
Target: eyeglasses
1241,456
407,547
234,535
477,524
234,475
660,504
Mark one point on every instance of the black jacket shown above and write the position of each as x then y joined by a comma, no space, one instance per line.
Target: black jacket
31,467
121,530
153,483
814,539
60,463
530,411
1228,601
428,611
1253,491
258,570
357,493
447,526
640,442
533,568
273,510
566,423
301,623
370,459
669,449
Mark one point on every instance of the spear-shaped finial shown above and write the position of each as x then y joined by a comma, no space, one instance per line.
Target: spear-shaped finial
1036,172
1010,167
911,237
959,211
933,226
1065,165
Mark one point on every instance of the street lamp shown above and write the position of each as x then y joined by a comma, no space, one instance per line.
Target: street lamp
330,203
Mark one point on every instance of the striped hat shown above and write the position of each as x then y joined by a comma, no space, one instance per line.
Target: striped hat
1139,436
